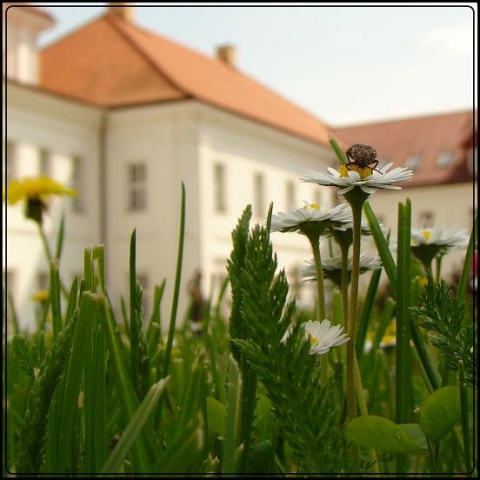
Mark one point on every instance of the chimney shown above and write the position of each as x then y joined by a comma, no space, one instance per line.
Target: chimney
124,10
227,53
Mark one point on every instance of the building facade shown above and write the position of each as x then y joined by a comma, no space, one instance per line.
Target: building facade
126,117
128,155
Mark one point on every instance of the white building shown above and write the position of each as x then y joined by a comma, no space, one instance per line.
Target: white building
126,116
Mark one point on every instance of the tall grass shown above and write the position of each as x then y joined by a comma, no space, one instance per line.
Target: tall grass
91,394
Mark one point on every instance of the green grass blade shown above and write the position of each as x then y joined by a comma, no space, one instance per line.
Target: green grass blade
60,236
134,427
467,263
367,312
382,246
55,297
95,408
73,379
123,384
176,292
234,396
134,320
338,151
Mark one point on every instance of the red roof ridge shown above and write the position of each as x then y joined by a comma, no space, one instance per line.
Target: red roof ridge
120,25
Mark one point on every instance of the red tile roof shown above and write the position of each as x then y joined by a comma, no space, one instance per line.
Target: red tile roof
428,137
113,63
31,9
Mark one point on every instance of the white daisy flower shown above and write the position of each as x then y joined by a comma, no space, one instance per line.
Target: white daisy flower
292,221
323,337
444,238
367,179
332,266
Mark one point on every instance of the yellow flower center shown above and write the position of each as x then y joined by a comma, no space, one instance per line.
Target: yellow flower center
313,205
362,171
312,339
426,235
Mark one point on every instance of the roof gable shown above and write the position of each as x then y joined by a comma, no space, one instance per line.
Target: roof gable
98,64
422,143
113,63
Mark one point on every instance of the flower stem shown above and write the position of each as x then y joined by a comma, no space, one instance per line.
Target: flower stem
352,312
464,416
344,283
315,243
49,254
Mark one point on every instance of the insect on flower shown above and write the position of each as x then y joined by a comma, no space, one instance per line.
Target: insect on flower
362,156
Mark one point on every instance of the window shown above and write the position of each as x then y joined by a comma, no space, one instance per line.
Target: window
413,162
137,186
43,281
8,293
258,195
317,195
427,219
219,190
445,159
291,195
77,183
45,162
472,160
10,162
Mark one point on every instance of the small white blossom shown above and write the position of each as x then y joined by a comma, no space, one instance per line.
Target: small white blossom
293,220
377,180
445,238
334,264
323,337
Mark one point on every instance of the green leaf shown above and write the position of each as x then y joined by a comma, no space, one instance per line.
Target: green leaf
261,458
216,413
382,434
440,412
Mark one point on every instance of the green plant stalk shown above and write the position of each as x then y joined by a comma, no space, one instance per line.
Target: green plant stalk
338,151
382,247
176,292
352,309
55,297
464,417
96,443
314,238
438,268
125,390
32,434
73,377
362,405
367,312
48,251
403,365
134,320
134,427
426,361
344,283
464,277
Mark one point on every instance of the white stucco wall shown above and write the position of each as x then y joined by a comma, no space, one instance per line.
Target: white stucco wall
181,143
37,121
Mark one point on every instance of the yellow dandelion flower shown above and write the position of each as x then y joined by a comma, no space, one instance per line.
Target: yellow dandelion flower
35,192
41,296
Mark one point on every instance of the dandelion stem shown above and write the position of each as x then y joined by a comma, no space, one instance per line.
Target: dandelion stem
49,254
